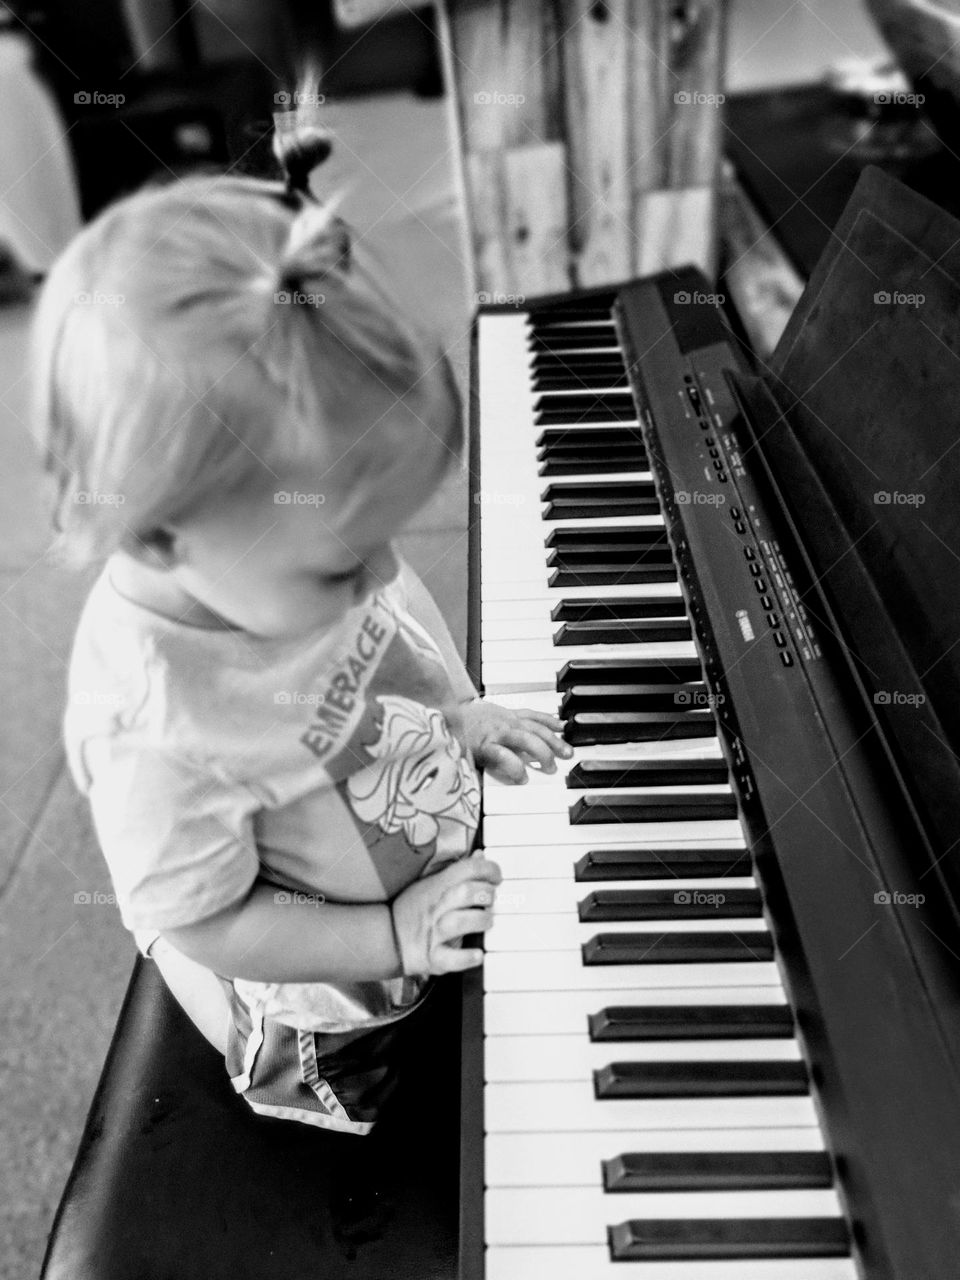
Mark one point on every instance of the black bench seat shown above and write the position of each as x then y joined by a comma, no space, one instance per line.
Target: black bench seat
177,1179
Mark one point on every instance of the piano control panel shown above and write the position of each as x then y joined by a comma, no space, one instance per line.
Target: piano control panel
767,602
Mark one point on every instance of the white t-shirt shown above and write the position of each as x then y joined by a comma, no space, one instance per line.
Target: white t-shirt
211,757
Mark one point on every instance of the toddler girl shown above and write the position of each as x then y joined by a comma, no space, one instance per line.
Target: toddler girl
275,732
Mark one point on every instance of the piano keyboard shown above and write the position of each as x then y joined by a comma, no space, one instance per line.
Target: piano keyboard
646,1102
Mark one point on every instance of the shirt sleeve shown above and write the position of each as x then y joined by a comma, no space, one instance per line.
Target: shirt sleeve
178,840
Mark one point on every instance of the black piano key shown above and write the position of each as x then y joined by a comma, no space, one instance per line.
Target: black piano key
604,905
623,575
601,489
590,440
629,631
654,555
684,807
622,607
572,340
560,467
599,507
685,1239
572,537
582,381
645,773
618,671
764,1078
631,697
584,729
547,362
718,1171
660,864
677,948
556,417
692,1022
595,307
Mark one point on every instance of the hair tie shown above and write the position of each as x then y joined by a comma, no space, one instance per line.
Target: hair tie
318,247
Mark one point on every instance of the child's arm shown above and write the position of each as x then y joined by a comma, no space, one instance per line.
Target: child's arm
271,936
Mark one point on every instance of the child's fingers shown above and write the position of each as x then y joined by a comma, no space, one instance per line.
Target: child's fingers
474,895
534,743
503,763
457,924
453,959
541,717
554,742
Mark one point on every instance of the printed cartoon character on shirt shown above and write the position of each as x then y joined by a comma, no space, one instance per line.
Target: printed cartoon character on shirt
403,776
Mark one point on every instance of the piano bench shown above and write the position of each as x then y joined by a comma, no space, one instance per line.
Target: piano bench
177,1179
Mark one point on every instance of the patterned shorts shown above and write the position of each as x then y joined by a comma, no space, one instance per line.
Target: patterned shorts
336,1081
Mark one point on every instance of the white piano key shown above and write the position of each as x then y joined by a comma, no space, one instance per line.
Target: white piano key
542,629
556,829
525,895
573,1057
498,610
534,932
546,793
499,590
531,862
592,1262
565,971
570,1107
574,1159
581,1215
519,676
553,656
509,1013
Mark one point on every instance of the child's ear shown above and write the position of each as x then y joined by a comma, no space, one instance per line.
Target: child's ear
157,549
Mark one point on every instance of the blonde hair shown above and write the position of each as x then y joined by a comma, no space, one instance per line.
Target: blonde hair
196,336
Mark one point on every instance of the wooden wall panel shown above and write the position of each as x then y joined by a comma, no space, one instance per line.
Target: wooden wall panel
589,132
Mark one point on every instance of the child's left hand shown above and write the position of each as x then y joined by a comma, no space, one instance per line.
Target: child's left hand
504,742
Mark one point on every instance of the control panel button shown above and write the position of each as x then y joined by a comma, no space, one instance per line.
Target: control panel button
734,513
750,553
721,475
786,658
760,584
766,602
740,526
779,639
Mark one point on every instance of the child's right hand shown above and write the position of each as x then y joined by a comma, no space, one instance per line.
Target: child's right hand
433,915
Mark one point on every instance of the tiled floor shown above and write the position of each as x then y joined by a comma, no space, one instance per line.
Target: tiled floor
65,963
